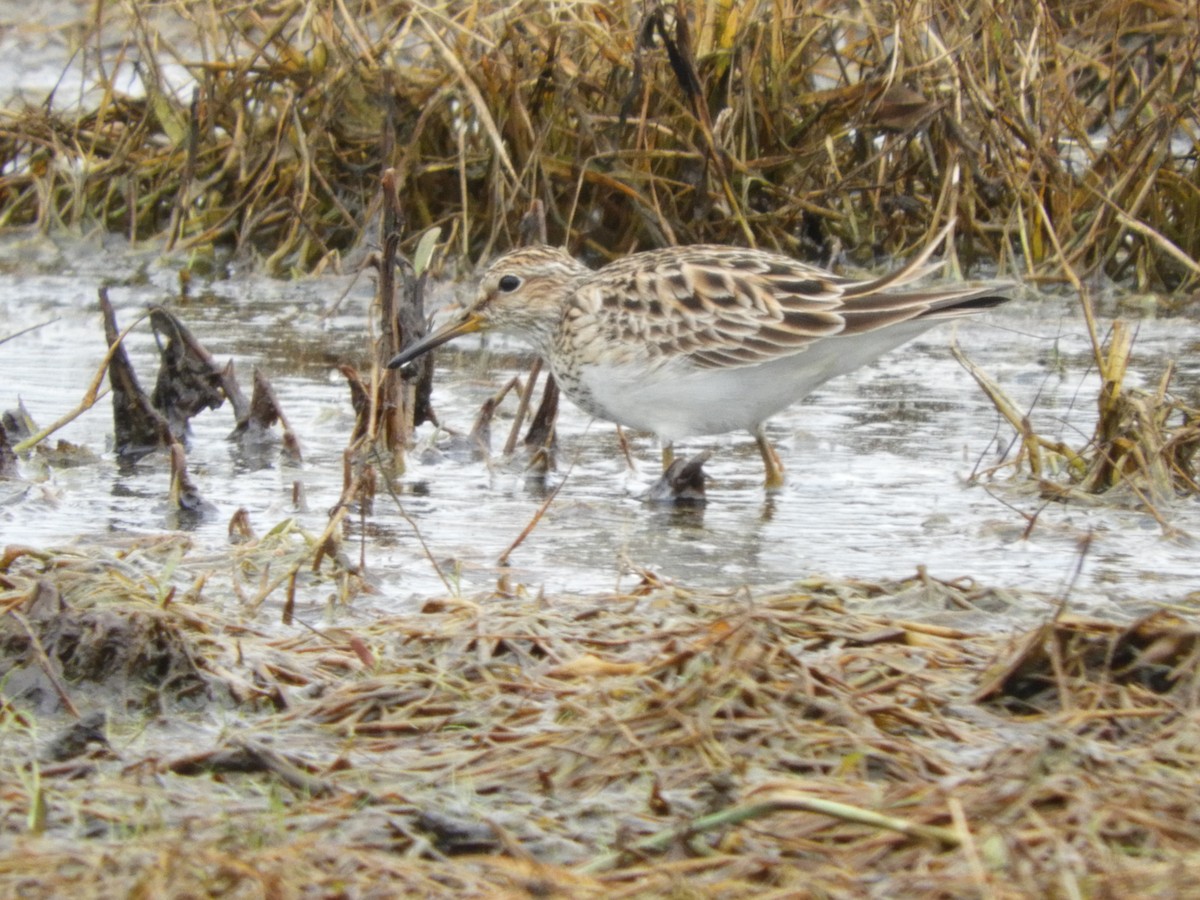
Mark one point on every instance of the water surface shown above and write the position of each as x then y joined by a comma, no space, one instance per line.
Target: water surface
880,463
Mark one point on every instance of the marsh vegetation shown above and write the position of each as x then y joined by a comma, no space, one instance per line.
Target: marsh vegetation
173,723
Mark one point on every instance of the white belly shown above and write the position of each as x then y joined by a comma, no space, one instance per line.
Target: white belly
680,400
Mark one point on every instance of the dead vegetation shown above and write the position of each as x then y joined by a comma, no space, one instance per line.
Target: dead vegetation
1058,135
1144,443
741,744
645,744
1062,139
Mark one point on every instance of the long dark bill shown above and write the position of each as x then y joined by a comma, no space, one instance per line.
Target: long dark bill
466,325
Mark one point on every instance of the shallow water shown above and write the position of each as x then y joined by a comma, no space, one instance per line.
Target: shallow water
878,462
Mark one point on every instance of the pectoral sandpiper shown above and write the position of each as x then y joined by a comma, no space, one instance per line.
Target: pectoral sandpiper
704,339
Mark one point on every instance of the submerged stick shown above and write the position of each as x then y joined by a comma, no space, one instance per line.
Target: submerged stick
537,517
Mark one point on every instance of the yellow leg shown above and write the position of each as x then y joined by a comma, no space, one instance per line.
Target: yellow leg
771,461
668,455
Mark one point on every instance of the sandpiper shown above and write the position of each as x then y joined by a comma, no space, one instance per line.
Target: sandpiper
703,339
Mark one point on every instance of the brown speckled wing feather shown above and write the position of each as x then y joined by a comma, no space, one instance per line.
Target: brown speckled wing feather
721,307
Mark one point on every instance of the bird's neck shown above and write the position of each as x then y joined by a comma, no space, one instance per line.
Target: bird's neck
541,334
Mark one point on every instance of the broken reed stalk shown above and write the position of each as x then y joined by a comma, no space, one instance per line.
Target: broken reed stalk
386,407
1105,470
391,405
90,396
390,410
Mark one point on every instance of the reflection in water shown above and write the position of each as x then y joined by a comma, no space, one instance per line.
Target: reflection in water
684,518
878,462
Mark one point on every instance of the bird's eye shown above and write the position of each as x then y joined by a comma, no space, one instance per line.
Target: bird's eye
509,283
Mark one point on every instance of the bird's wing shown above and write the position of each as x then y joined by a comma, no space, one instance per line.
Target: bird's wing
721,307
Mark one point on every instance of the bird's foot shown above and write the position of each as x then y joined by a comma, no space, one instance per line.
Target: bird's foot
682,482
771,462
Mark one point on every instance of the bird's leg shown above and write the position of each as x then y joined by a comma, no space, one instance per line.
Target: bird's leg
668,453
623,442
770,458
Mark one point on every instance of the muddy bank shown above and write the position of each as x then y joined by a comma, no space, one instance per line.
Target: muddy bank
739,743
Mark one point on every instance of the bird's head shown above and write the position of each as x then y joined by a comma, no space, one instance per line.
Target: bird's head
521,293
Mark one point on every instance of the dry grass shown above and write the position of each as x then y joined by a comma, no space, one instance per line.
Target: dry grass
659,742
1144,443
1059,135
